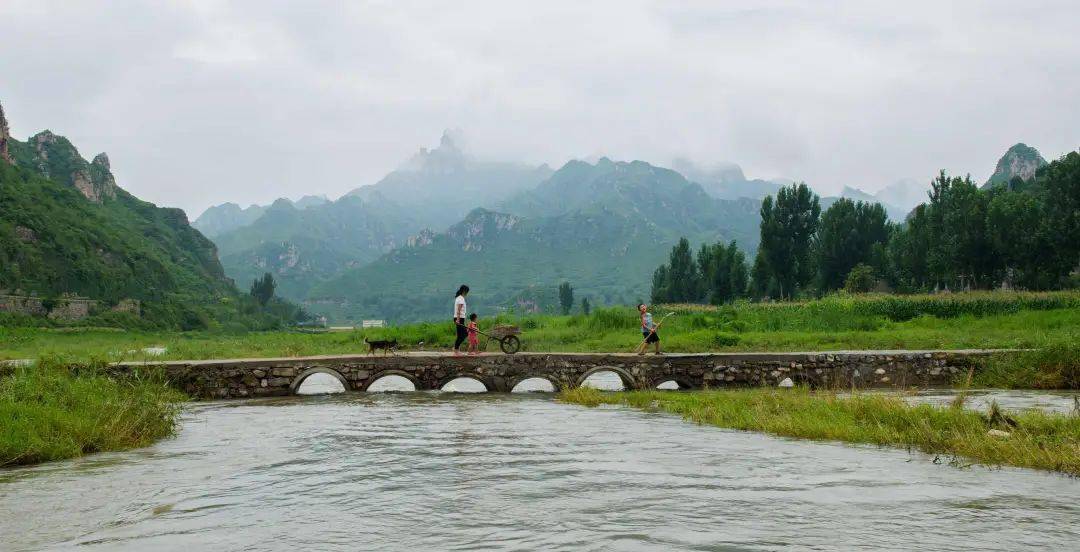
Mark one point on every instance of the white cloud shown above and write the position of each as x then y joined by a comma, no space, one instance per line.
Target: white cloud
204,102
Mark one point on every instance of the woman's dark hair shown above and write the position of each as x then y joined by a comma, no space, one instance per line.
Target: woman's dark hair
472,316
462,290
639,305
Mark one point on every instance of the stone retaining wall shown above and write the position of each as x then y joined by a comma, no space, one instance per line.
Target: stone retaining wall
840,370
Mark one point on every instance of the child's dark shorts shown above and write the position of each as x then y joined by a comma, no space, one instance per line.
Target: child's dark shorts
650,337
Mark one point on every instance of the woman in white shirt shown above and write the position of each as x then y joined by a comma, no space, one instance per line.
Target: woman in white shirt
459,318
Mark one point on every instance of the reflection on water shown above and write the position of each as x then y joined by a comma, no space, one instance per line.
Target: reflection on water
534,385
604,380
438,471
980,399
321,384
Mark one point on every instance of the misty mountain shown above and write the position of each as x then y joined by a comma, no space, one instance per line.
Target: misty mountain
602,227
302,247
222,218
312,240
895,213
726,180
440,186
905,193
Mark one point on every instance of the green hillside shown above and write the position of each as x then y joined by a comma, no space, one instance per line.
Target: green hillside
303,247
67,228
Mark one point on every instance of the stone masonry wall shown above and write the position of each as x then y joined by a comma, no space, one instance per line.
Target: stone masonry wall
837,370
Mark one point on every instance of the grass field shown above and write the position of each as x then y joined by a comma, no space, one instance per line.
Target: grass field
963,320
49,413
1035,439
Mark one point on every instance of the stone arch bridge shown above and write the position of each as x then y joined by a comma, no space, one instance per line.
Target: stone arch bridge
501,373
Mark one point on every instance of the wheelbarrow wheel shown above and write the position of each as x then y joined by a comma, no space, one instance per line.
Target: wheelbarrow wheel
510,344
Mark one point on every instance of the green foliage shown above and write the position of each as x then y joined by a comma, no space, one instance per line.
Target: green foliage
1023,236
50,413
788,226
1056,366
566,297
717,275
55,241
585,307
861,279
850,233
1039,440
262,289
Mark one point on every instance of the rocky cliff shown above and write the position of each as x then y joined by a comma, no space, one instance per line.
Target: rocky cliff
55,158
5,155
1020,160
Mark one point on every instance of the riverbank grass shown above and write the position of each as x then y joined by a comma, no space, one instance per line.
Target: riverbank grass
1035,439
49,413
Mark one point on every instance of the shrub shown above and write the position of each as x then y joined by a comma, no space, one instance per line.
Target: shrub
861,279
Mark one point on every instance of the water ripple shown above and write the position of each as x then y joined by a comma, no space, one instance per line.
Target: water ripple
444,471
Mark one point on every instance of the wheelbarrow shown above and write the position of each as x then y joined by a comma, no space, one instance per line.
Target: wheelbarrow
507,336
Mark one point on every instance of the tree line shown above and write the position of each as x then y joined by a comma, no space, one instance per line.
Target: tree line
1023,235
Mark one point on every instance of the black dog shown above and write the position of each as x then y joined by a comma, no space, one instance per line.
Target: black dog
387,345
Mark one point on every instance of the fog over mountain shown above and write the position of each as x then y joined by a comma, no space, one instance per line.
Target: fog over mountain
200,103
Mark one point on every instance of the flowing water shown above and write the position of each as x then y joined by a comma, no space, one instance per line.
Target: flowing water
449,471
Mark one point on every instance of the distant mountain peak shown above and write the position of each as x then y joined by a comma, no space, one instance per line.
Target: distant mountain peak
448,157
1019,160
720,172
102,160
452,140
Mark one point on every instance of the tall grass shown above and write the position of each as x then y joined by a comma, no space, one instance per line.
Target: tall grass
1055,366
1036,439
47,412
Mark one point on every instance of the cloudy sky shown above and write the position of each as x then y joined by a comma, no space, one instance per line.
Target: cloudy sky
201,102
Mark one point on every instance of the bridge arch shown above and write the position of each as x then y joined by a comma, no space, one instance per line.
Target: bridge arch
555,386
464,375
299,379
680,383
628,380
391,372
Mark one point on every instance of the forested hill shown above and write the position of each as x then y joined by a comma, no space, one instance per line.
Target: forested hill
603,227
66,227
303,247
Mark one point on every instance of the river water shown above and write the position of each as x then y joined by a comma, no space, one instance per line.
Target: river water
449,471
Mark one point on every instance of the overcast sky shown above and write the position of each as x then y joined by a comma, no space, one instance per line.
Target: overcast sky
201,102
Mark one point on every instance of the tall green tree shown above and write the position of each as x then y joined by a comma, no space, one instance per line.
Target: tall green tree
683,275
1060,183
660,293
566,297
850,233
788,225
585,307
262,289
739,272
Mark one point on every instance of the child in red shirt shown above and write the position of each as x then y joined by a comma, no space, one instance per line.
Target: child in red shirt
474,339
